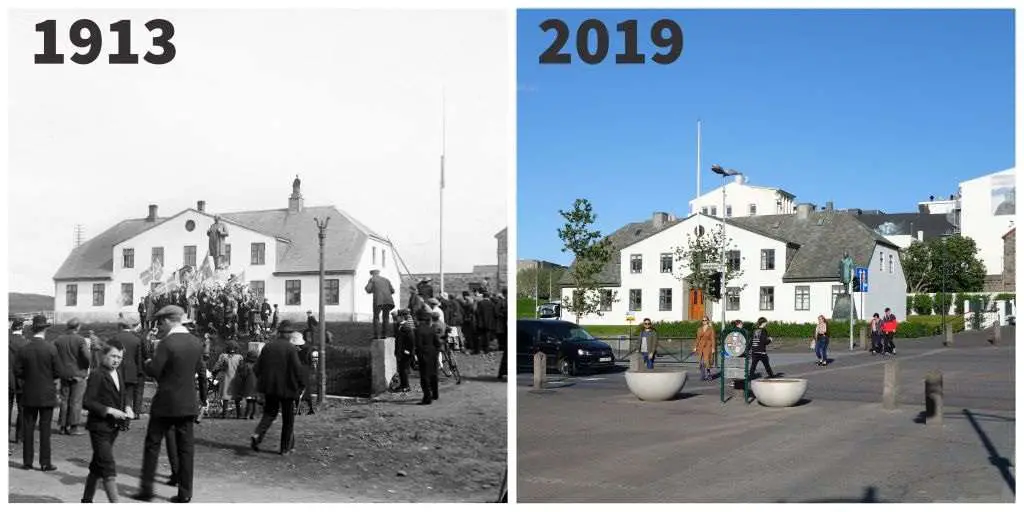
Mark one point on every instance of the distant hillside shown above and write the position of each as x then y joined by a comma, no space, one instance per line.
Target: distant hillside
28,303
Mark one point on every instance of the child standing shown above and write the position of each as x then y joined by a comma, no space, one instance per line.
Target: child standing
245,382
105,401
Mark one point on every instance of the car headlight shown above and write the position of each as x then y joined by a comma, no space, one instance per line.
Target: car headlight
582,352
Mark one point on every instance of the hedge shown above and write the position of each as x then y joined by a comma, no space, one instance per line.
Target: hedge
916,327
922,304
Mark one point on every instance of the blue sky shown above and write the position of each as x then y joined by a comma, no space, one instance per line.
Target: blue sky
868,109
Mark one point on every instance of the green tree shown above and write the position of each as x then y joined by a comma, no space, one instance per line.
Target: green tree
948,264
592,252
916,262
698,250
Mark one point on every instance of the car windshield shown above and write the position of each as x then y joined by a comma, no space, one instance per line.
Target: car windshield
568,332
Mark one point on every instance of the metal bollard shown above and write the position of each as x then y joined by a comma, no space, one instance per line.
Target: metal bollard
540,369
948,328
864,339
890,386
636,362
997,333
933,398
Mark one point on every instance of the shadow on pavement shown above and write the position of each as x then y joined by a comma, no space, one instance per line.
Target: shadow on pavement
1001,463
28,498
870,496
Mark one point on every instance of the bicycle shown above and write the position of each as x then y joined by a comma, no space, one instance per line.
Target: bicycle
448,365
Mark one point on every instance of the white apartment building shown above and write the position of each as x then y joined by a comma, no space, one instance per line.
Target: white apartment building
988,210
744,200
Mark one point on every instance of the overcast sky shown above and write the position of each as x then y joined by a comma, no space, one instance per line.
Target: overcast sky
349,100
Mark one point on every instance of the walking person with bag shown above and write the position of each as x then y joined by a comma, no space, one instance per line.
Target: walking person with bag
820,341
875,329
889,325
704,347
757,347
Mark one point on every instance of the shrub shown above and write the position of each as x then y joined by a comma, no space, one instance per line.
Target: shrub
958,303
1005,296
910,304
922,304
941,303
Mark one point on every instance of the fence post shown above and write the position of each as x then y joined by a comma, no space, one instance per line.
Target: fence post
997,333
540,369
933,398
890,386
948,328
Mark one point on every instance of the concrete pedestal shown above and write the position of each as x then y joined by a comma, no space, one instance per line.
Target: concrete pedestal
383,365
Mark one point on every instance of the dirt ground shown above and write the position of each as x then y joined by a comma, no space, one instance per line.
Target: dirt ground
386,449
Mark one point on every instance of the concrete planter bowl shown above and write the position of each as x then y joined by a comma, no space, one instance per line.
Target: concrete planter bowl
655,385
781,392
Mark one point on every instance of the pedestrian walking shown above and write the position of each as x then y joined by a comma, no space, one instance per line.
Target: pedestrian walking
704,347
225,371
280,378
648,343
889,325
106,399
383,302
875,327
177,360
305,351
757,347
821,338
427,346
38,367
246,383
74,358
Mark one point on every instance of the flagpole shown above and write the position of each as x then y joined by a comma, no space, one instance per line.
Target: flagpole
440,256
698,160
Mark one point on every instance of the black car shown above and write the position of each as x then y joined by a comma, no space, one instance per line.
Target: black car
570,349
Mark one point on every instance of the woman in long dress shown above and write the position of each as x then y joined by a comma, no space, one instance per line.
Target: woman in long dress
705,347
227,369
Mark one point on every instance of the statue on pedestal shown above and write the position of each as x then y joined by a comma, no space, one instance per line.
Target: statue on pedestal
218,252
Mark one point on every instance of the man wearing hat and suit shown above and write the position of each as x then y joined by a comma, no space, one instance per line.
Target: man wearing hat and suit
279,376
131,364
428,343
74,357
383,301
176,362
38,367
15,340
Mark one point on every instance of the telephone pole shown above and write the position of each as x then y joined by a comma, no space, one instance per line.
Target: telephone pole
322,334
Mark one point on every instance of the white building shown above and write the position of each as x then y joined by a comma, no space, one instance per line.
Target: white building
275,251
988,209
744,200
790,267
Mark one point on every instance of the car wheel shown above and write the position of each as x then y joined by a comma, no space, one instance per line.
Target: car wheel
566,367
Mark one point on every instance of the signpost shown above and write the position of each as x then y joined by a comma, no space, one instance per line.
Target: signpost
862,278
629,321
734,344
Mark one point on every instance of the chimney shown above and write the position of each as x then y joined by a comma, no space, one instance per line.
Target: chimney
152,213
201,206
803,211
922,208
295,202
660,218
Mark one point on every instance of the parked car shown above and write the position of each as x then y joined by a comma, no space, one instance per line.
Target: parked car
549,310
570,349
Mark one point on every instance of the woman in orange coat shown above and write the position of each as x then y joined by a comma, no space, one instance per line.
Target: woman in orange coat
705,347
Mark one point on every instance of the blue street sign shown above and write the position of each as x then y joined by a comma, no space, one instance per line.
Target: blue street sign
862,276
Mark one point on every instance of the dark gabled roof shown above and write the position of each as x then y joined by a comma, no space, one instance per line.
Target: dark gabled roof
298,248
822,238
623,237
934,225
94,258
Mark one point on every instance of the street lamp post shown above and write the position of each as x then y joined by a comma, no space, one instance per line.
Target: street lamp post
724,173
321,226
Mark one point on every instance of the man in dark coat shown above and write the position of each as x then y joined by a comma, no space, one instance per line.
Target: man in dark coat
501,328
383,301
176,362
265,312
428,345
469,322
74,357
15,340
405,346
38,367
486,322
142,312
279,376
131,365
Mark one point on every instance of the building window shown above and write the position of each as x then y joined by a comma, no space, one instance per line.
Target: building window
803,298
227,254
383,258
728,210
704,210
881,261
767,298
97,294
332,290
293,292
732,299
732,260
259,288
374,255
767,259
128,258
714,211
190,255
891,264
635,302
636,263
837,290
71,295
158,256
190,225
127,294
666,263
259,254
753,209
665,299
606,300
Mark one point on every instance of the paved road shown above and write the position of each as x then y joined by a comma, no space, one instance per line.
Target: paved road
589,440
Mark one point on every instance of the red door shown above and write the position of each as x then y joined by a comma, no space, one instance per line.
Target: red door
696,304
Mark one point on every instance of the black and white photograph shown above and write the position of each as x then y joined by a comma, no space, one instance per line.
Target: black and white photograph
258,255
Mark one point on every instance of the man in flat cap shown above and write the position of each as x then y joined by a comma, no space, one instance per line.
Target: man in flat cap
131,364
383,301
74,357
176,362
38,367
280,377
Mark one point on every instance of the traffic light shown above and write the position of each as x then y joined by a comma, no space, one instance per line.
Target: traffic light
715,285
